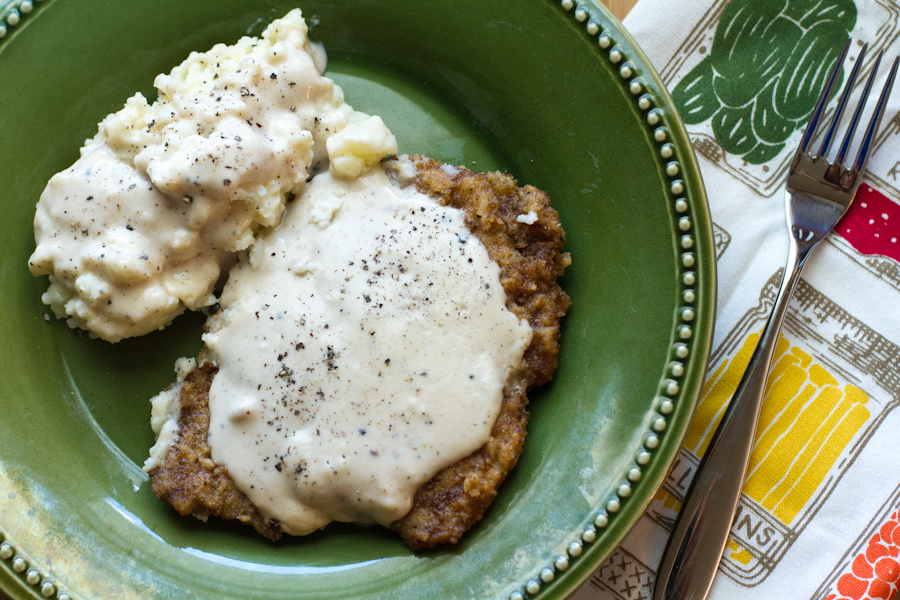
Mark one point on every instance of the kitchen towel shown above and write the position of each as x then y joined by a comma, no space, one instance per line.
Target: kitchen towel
818,518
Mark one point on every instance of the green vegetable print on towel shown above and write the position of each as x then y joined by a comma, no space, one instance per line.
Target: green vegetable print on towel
768,64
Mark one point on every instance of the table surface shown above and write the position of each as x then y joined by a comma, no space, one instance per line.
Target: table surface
620,8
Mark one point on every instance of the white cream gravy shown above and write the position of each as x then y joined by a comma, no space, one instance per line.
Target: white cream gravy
366,350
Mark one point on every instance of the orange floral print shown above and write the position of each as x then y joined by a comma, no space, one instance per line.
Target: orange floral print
874,573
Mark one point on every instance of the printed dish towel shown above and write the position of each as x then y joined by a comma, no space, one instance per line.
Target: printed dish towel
818,518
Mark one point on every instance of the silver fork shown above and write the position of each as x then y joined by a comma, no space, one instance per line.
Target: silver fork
818,194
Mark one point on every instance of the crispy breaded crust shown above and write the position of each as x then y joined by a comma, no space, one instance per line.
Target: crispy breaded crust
530,263
456,498
189,479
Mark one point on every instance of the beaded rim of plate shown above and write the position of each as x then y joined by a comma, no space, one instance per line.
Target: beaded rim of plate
43,584
21,565
669,392
13,13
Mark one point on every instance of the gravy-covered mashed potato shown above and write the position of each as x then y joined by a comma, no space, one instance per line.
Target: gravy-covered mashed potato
139,228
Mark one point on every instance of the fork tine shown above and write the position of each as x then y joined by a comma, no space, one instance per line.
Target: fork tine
848,137
823,100
863,155
829,136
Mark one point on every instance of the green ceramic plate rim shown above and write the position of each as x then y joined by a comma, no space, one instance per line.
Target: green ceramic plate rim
693,331
609,522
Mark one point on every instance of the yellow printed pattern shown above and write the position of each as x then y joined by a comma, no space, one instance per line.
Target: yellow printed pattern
807,420
739,554
668,500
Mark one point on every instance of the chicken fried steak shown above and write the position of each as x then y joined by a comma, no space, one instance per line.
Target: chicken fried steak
523,235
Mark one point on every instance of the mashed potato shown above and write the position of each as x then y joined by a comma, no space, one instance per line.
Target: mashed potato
139,228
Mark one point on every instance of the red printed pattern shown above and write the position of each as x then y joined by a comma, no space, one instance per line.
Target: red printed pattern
874,573
872,225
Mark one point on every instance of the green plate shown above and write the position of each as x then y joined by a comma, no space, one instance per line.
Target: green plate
556,94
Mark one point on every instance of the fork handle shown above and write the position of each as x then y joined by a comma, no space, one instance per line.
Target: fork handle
698,540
